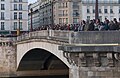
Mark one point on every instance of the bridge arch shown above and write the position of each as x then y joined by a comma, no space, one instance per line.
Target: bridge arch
25,48
42,58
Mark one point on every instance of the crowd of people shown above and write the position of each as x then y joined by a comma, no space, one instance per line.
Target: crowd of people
91,25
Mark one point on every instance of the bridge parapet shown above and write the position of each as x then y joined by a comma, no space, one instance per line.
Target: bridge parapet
96,37
46,34
85,37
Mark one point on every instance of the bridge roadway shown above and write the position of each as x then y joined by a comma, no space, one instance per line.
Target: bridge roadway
88,54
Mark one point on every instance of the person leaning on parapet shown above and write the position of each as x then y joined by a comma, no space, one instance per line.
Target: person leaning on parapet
97,24
106,23
83,25
91,26
116,24
87,25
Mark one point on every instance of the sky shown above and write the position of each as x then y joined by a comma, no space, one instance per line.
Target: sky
31,1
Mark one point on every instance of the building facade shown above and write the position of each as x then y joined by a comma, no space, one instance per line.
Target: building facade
33,15
46,12
13,15
55,12
60,12
107,9
73,11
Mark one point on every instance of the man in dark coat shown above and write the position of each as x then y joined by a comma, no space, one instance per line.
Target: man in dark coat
91,26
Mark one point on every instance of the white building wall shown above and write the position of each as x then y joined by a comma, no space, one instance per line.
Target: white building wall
9,14
108,15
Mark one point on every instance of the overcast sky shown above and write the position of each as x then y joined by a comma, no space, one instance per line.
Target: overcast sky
31,1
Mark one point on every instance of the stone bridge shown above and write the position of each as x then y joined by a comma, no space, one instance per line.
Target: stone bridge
90,54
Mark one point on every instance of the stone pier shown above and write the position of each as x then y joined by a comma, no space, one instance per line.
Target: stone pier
7,58
93,62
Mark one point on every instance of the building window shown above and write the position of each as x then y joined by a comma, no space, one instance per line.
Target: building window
15,6
21,26
105,11
63,5
2,6
75,13
100,11
60,20
20,15
88,9
2,0
93,10
111,9
75,20
15,15
20,0
66,4
15,25
2,26
63,12
20,6
88,17
2,16
15,0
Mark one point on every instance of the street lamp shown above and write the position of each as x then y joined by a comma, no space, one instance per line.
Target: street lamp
52,12
96,10
31,28
18,30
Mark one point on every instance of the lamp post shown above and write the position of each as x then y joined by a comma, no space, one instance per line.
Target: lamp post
31,28
18,30
52,13
96,10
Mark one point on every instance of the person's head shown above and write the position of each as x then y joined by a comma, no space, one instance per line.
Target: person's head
97,20
83,22
102,23
105,18
114,19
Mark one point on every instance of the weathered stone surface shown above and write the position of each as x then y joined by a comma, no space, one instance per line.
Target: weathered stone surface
7,59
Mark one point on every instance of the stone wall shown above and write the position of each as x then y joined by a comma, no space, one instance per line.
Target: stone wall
99,72
94,64
7,58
